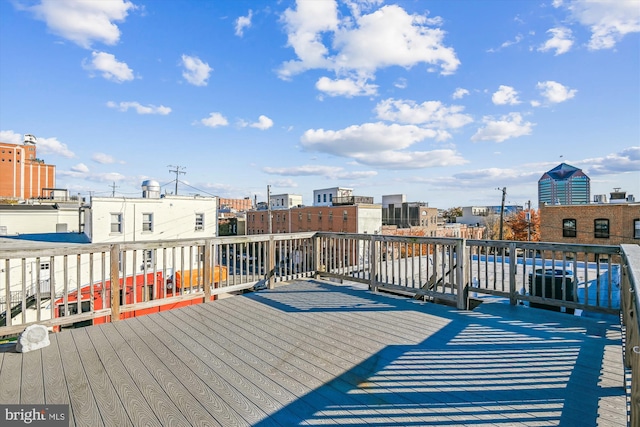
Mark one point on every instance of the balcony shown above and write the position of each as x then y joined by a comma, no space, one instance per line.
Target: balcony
346,329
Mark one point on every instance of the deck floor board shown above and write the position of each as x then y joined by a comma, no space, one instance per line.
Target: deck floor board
314,352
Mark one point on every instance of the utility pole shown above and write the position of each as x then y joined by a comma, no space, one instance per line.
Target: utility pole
178,170
269,208
113,189
504,194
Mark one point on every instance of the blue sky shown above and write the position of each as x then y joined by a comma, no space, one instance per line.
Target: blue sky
444,101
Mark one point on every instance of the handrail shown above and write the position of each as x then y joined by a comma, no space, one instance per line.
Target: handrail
631,324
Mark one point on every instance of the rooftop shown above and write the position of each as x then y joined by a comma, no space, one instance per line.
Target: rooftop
318,352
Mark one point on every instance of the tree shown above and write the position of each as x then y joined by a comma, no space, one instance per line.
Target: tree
451,214
521,228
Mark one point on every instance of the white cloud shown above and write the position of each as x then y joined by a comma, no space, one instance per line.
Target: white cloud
400,39
332,172
195,71
215,120
43,145
555,92
459,93
10,137
505,95
609,21
628,160
509,126
432,114
243,22
561,40
263,123
103,159
380,145
366,138
109,66
508,43
345,87
412,159
80,167
401,83
53,146
140,109
84,22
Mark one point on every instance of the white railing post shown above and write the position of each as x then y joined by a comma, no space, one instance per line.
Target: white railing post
373,265
271,265
461,285
208,271
317,258
513,265
115,282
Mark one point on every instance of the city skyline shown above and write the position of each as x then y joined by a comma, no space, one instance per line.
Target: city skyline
443,103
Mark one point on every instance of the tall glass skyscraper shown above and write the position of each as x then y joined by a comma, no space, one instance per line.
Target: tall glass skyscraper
564,185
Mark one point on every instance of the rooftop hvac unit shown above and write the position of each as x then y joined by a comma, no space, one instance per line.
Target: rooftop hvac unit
600,198
150,189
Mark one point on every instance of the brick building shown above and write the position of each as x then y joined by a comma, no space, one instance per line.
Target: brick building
239,205
358,218
22,174
601,224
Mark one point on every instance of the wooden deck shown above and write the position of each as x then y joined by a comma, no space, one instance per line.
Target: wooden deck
315,352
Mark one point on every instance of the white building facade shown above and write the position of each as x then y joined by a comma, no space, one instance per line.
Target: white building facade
325,196
111,220
285,201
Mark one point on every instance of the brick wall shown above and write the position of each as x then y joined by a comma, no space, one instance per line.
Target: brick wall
621,218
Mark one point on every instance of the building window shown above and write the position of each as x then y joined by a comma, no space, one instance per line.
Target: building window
147,258
320,215
636,228
147,222
324,198
116,223
199,221
318,198
344,215
300,216
601,228
309,215
330,216
331,198
569,228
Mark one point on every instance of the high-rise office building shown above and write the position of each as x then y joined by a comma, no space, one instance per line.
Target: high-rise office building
564,185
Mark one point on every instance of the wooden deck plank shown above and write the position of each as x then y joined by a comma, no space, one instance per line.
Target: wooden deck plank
207,368
131,396
305,345
316,353
251,384
263,361
83,402
56,391
221,413
111,410
10,378
187,404
162,405
32,388
298,370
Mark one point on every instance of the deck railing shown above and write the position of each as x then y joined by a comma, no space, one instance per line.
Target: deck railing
95,283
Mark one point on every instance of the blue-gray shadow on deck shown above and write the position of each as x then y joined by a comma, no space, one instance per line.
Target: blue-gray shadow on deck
481,368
